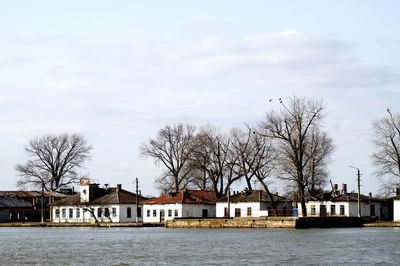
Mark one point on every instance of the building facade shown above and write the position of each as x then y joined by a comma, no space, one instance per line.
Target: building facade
182,204
94,204
253,203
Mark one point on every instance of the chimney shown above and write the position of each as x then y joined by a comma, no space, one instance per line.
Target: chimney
344,188
259,195
398,191
335,187
119,187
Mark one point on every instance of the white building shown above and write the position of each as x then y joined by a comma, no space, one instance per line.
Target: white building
342,203
396,208
182,204
95,204
253,203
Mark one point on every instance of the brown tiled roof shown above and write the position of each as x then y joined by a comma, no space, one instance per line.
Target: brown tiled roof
252,196
185,197
106,196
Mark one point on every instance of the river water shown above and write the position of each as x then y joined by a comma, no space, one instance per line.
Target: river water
160,246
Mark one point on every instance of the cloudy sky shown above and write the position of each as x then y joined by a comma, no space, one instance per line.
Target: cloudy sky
117,71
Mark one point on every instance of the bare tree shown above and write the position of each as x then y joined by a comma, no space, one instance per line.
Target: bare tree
172,149
387,156
53,161
256,159
214,157
296,132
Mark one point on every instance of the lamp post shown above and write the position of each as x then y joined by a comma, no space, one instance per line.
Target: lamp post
41,204
358,188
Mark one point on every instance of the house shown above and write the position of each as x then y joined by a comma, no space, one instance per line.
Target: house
96,204
343,203
34,198
252,203
182,204
15,209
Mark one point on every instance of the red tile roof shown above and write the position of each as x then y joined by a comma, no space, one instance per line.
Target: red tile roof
185,197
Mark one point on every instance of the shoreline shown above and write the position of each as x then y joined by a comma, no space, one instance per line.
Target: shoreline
267,222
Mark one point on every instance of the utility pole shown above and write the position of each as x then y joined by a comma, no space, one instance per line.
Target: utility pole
229,202
358,188
137,201
41,204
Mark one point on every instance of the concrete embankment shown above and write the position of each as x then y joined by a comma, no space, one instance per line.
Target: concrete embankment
267,222
48,224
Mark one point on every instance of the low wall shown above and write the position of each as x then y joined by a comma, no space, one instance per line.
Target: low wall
267,222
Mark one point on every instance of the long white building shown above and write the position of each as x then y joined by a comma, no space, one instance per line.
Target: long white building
95,204
182,204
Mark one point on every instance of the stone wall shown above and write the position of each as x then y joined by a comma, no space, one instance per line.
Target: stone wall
266,222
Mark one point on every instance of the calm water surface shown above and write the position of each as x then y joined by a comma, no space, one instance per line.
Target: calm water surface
160,246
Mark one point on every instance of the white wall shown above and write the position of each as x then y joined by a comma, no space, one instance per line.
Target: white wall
350,208
396,210
86,216
258,209
183,210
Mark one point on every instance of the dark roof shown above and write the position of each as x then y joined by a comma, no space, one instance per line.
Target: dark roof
13,202
343,197
252,196
32,194
185,197
104,196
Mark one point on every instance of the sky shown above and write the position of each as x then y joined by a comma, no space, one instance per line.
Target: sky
118,71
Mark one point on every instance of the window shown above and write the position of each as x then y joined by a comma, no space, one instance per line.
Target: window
176,213
333,210
106,212
154,213
313,210
63,213
372,210
237,212
99,211
114,212
248,211
57,213
341,209
204,213
128,212
139,212
78,213
70,213
169,213
284,210
148,213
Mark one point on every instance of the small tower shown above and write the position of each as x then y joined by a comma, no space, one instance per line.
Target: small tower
86,189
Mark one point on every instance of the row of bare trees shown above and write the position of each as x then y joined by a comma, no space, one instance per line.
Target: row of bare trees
288,144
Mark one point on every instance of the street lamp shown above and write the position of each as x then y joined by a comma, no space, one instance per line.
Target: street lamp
358,187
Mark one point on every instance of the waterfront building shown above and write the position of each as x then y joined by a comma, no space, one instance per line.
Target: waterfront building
253,203
182,204
15,209
396,206
343,203
96,204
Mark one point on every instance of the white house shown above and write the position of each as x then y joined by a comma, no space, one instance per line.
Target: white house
253,203
95,204
396,207
182,204
343,203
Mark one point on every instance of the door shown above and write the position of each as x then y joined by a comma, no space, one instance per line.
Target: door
162,216
204,213
322,211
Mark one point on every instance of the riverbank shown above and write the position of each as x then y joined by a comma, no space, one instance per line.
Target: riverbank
48,224
264,222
